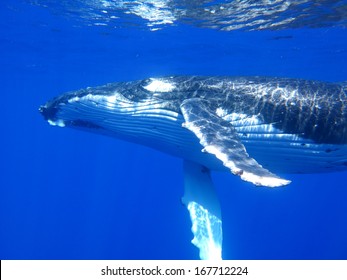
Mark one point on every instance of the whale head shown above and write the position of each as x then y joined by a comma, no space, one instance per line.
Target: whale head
112,102
145,112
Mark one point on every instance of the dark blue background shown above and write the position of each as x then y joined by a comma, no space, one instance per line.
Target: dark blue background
67,194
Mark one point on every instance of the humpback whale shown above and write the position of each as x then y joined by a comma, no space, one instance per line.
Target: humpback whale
257,128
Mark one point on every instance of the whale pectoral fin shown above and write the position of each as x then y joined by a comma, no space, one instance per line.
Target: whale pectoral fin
220,138
202,202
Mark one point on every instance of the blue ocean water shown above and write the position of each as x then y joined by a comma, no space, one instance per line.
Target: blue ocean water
66,194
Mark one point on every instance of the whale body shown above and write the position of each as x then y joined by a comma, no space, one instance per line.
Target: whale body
254,127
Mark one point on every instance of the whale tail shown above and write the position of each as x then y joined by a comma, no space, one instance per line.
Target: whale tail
202,202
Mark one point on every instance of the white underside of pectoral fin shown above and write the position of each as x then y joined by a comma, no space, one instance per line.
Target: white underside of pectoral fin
266,181
202,202
247,168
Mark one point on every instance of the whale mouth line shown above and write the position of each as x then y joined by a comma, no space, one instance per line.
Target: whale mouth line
84,124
